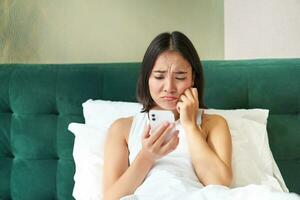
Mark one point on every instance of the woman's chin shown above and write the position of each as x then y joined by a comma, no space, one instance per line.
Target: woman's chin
166,106
169,107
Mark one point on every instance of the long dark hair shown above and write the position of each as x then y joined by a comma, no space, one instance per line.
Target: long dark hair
175,41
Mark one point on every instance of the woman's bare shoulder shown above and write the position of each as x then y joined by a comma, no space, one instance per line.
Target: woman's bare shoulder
211,121
213,117
121,127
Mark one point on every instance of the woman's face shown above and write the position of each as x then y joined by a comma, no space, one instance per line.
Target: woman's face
170,77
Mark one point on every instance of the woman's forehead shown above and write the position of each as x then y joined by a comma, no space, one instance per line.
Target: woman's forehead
171,59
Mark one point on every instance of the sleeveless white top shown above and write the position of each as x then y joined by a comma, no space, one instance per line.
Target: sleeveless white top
175,170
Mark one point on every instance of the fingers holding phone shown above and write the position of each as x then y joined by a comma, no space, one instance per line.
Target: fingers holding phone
165,136
162,138
157,118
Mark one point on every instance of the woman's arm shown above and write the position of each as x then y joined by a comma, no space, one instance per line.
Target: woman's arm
211,153
119,178
211,158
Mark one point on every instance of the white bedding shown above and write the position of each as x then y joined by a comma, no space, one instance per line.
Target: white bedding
166,181
173,177
215,192
250,143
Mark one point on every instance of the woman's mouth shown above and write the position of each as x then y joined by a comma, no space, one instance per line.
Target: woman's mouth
169,98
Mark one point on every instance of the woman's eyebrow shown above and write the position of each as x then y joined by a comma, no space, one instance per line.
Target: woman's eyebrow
160,71
180,72
163,71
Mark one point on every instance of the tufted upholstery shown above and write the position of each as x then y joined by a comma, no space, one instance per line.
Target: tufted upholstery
37,102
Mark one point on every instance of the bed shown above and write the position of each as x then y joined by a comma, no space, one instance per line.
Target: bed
38,101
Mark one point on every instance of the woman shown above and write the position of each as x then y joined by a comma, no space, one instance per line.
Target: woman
199,151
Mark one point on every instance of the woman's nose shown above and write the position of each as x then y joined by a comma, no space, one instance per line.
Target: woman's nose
169,85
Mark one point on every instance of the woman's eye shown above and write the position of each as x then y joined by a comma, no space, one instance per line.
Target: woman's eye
180,78
161,77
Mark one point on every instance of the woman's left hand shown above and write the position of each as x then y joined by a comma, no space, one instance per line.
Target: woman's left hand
188,106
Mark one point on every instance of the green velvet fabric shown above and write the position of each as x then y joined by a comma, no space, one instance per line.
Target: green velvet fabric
37,102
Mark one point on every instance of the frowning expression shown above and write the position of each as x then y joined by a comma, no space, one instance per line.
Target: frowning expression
170,77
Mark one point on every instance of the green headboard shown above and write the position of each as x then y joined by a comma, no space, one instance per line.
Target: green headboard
37,102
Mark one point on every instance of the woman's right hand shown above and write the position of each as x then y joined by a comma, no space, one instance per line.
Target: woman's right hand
155,146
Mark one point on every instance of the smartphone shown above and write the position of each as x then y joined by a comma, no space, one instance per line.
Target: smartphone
158,117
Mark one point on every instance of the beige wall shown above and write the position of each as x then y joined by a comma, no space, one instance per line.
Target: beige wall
262,29
40,31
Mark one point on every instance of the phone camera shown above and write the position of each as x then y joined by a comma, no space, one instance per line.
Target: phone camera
153,117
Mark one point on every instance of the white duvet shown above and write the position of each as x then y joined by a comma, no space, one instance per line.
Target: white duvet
216,192
165,186
167,181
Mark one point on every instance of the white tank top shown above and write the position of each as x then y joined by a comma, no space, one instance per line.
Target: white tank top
174,168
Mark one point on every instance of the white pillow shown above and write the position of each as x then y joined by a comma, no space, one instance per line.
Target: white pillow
258,137
88,156
252,158
101,114
258,115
